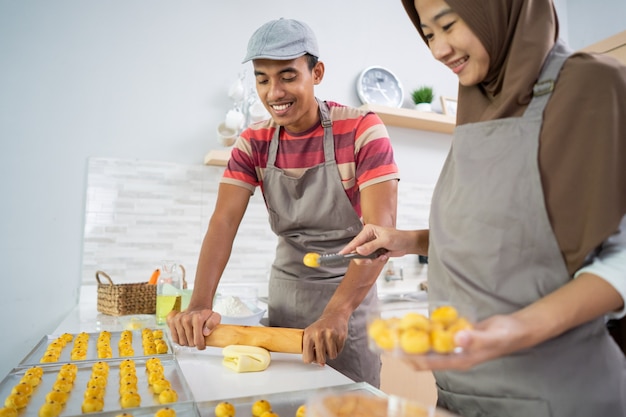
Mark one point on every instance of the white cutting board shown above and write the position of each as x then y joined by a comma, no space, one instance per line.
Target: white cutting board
210,380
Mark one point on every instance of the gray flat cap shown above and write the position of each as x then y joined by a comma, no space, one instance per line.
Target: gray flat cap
282,39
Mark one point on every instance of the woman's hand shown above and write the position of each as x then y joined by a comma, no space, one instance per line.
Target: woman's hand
547,318
188,328
492,338
397,242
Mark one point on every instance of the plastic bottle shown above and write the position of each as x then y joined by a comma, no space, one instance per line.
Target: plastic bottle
169,291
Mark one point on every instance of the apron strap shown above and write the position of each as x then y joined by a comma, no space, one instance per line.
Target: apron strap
542,90
327,124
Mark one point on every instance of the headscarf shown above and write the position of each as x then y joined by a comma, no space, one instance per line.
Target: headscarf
582,144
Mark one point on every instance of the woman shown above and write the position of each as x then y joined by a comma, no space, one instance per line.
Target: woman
528,216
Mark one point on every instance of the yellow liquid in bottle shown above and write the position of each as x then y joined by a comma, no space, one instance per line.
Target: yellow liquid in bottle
165,304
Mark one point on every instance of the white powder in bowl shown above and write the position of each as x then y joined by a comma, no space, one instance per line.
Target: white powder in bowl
231,306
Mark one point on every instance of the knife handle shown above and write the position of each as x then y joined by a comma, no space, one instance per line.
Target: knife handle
274,339
332,259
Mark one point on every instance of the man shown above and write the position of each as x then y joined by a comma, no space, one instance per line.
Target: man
324,169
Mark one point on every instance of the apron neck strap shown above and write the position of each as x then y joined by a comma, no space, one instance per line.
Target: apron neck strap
542,90
327,124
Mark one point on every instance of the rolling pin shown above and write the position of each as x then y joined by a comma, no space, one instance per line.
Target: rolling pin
274,339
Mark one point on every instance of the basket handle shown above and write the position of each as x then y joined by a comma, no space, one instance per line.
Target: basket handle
98,273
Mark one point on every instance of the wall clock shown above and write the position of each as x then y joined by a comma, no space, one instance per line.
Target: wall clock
378,85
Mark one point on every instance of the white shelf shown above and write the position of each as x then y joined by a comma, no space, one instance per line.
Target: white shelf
217,157
408,118
413,119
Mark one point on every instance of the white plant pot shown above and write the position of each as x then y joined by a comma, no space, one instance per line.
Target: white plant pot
424,107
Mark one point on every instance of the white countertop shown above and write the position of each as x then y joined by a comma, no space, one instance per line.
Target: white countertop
207,377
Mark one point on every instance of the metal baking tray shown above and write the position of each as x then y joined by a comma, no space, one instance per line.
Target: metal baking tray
149,402
286,404
186,409
34,357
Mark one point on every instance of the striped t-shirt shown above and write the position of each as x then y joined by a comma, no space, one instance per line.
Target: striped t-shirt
362,150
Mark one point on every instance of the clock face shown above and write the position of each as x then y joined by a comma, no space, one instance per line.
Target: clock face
377,85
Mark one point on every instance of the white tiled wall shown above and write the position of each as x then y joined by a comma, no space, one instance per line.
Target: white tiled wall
139,213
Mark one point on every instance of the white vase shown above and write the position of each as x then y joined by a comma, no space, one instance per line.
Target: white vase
423,107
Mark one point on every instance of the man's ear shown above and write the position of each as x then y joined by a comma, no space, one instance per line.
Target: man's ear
318,72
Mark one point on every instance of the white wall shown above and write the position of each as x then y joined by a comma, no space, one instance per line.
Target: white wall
590,22
149,80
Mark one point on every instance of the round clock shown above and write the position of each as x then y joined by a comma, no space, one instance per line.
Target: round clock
378,85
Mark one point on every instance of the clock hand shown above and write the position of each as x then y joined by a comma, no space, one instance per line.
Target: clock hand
382,91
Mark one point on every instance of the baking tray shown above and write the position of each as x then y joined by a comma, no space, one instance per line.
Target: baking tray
286,404
35,355
149,402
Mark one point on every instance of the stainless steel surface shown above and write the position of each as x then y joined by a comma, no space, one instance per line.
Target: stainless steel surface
416,296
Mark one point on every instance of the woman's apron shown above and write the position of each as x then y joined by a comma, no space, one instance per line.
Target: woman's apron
312,213
492,246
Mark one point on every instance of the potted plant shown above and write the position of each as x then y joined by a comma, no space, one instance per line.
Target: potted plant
423,97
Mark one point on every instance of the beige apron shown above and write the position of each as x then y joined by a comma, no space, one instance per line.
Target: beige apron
491,245
312,213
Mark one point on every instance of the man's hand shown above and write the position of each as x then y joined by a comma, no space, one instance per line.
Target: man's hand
188,328
324,339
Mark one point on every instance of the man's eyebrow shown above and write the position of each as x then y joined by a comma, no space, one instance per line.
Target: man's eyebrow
282,71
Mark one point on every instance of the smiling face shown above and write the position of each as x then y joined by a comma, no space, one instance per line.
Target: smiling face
452,42
286,89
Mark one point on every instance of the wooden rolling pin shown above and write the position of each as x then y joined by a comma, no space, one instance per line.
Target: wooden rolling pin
274,339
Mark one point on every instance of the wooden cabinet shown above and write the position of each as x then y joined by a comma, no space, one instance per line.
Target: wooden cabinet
614,46
397,378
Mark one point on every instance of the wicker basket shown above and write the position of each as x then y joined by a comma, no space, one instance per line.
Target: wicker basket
124,299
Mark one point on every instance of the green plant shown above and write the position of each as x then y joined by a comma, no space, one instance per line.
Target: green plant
423,94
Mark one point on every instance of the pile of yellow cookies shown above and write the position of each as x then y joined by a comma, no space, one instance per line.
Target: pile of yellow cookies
260,408
80,347
21,392
416,334
54,348
93,398
159,384
152,344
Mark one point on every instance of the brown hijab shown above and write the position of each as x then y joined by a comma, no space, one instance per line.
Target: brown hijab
582,148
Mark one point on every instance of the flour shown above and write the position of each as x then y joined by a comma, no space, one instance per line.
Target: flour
231,306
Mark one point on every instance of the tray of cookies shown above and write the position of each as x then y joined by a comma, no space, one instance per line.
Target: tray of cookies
287,404
100,346
141,386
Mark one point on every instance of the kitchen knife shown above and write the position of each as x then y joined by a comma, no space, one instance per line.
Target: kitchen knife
274,339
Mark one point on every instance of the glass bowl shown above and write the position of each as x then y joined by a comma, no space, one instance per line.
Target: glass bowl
253,319
416,328
364,405
235,310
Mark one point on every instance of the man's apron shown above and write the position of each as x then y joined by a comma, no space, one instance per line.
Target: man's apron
492,246
312,213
